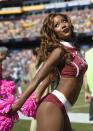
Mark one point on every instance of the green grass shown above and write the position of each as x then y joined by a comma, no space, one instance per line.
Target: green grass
25,126
80,106
82,127
22,125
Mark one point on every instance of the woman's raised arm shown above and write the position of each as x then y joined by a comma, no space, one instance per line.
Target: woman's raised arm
43,72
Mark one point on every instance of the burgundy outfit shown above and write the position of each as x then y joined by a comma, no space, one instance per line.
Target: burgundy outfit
75,68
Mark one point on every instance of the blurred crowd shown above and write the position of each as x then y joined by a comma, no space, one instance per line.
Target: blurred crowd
23,28
82,20
29,26
16,65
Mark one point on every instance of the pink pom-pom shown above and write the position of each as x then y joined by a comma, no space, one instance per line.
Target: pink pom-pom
29,107
5,104
7,92
7,88
7,122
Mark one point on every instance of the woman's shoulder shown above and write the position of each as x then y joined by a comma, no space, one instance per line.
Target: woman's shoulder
58,50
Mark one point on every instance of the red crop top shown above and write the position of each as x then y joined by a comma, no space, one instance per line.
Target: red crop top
76,67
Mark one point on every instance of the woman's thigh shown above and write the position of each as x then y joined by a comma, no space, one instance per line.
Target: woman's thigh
49,117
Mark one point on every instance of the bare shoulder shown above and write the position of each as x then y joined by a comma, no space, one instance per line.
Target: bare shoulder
55,56
58,49
58,52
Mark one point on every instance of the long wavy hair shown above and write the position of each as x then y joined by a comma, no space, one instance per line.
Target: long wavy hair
49,39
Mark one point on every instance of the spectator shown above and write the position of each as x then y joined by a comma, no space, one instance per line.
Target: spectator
3,54
88,82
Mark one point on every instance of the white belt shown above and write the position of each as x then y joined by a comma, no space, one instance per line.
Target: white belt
62,98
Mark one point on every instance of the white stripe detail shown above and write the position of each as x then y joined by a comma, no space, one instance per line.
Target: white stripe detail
62,98
65,43
76,68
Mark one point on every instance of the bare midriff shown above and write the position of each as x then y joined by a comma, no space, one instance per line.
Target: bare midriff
71,87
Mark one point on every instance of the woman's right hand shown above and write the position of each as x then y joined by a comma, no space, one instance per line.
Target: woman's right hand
37,96
87,97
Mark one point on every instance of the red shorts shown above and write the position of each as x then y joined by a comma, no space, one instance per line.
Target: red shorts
52,98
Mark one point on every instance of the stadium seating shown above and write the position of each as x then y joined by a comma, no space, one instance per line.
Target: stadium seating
29,27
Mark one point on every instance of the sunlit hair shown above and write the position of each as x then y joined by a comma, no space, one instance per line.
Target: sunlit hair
49,39
47,30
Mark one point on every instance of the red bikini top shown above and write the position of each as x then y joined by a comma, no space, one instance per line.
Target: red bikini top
76,67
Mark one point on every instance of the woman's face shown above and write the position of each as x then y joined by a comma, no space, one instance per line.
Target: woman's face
62,28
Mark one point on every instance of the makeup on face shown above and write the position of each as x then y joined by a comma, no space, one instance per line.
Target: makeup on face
62,27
